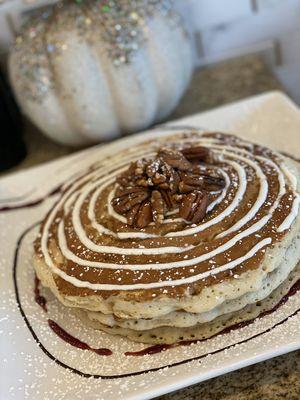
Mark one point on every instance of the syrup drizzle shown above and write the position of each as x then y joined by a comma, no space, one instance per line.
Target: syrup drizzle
157,348
38,298
73,341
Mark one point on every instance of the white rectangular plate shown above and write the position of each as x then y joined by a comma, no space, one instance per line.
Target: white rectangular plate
38,365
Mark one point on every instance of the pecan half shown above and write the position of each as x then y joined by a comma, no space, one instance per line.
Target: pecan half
131,214
190,182
158,207
144,215
126,201
193,207
140,215
197,153
121,192
175,159
168,198
213,183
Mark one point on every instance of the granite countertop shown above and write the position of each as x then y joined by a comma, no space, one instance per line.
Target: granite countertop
274,379
226,82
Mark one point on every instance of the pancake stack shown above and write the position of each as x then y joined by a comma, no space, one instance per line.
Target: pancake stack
175,239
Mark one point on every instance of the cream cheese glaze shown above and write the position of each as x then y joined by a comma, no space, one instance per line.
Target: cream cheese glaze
100,252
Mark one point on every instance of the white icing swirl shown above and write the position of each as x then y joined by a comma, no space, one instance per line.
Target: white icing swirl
87,190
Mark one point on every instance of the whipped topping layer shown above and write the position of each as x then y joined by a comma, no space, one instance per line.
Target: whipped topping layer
90,247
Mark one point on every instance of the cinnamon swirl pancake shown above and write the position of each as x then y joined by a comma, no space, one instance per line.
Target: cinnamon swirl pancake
175,238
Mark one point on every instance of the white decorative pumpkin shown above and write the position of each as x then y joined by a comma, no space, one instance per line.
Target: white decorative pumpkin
87,72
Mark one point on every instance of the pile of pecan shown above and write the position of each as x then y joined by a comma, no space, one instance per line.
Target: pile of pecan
151,188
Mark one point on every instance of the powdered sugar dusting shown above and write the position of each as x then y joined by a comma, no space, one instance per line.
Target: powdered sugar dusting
30,374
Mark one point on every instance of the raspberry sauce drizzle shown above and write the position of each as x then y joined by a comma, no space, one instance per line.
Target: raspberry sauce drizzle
65,336
38,298
158,348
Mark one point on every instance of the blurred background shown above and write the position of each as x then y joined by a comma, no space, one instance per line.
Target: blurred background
222,30
240,48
